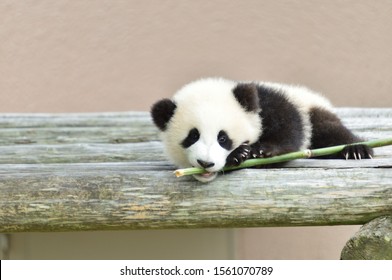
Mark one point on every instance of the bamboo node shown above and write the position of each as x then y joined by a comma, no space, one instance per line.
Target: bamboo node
308,153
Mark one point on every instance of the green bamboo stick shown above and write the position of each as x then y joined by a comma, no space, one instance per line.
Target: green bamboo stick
288,157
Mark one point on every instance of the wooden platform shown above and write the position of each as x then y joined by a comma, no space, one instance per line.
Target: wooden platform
106,171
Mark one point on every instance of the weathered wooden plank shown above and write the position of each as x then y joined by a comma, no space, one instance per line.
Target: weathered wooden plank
81,190
74,135
65,197
74,153
348,112
15,120
49,129
144,151
137,127
372,242
58,120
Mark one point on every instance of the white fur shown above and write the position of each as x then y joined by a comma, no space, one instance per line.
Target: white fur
210,106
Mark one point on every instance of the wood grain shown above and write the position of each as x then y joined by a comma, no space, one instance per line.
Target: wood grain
107,171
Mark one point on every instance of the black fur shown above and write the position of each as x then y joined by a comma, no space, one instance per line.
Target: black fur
239,155
205,164
281,124
282,127
224,140
328,130
247,96
192,138
162,111
283,132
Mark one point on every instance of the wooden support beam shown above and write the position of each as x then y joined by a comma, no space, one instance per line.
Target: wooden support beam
69,197
372,242
70,172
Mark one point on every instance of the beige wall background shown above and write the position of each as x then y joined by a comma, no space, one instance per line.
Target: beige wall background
103,55
82,56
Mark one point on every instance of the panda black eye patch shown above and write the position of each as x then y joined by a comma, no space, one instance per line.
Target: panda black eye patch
192,138
224,140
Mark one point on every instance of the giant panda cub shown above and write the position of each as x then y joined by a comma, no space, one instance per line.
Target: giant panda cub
212,123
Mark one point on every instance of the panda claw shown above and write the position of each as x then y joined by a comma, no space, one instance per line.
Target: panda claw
357,152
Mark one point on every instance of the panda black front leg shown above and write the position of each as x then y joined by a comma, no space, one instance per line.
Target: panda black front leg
239,155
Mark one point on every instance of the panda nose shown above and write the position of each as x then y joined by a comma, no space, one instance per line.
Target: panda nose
205,164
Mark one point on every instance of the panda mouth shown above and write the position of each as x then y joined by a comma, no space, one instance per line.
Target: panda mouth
206,176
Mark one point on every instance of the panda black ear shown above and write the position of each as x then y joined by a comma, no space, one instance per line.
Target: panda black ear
246,94
161,112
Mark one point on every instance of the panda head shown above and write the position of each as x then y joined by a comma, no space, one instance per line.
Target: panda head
205,121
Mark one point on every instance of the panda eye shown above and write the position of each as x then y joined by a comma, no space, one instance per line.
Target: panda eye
192,138
224,140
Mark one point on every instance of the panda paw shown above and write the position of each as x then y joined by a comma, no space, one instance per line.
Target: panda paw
357,152
259,150
239,155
